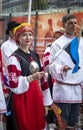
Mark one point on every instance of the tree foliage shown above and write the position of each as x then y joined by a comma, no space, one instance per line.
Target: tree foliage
39,4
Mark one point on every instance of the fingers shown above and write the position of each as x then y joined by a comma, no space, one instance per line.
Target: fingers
38,75
66,68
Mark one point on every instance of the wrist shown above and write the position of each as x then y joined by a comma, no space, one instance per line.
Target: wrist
29,78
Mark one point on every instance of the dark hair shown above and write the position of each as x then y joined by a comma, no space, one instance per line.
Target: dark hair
11,25
67,17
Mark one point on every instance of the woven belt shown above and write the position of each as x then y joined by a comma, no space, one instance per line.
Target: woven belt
69,84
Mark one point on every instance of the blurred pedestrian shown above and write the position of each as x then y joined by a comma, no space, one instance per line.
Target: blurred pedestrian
51,116
80,120
2,98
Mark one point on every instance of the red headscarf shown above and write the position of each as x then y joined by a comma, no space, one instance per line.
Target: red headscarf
21,29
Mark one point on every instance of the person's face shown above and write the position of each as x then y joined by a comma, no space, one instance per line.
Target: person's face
12,34
70,26
26,39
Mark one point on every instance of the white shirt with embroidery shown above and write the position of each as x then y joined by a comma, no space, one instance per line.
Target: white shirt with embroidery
8,48
65,93
2,100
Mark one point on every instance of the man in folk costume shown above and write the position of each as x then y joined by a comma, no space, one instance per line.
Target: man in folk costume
66,67
9,46
2,98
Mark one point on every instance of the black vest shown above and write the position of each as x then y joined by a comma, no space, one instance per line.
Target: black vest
24,59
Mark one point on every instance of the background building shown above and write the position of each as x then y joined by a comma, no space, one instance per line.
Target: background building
42,11
12,6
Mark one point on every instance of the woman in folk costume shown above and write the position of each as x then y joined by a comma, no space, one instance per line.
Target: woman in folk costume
30,89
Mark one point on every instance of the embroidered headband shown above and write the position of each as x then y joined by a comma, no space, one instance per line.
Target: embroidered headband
20,29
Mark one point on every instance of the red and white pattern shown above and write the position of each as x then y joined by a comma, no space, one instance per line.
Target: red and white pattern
46,59
2,99
63,93
29,98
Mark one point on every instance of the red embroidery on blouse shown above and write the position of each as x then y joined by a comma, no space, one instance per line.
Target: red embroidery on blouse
31,58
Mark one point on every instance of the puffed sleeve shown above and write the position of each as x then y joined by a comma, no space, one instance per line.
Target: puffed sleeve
46,59
45,90
56,65
17,83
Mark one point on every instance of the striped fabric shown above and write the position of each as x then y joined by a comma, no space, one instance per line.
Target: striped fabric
46,58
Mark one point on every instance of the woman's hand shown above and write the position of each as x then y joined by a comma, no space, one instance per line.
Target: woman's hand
38,75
